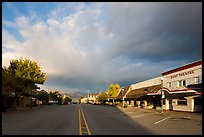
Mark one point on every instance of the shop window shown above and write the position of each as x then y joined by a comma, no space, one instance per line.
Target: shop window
198,80
179,83
182,83
181,102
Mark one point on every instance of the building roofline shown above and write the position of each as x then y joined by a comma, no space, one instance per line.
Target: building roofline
186,66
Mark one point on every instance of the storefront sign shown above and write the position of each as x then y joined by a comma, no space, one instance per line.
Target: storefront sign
182,74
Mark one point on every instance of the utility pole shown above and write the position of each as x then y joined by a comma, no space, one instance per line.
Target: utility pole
88,96
162,79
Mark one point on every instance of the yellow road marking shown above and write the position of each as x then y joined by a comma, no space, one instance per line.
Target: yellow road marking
80,132
89,133
80,123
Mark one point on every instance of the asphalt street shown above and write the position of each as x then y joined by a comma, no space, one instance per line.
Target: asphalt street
79,119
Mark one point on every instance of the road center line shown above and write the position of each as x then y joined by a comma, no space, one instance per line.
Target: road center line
162,120
83,126
80,132
89,133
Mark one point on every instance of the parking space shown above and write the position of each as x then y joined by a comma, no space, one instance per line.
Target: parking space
168,122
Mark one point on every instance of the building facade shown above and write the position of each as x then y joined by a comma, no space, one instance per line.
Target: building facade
145,94
179,89
177,94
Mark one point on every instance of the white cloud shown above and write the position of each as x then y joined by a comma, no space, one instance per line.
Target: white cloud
56,43
74,43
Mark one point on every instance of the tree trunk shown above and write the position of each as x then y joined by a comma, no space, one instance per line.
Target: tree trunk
17,95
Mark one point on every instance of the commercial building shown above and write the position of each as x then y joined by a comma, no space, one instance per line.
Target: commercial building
179,88
145,94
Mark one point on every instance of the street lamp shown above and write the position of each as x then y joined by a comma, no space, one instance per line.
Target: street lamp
122,96
88,97
162,78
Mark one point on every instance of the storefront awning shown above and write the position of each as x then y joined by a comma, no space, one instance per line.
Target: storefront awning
137,93
196,87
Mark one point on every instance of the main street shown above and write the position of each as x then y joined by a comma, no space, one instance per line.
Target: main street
82,119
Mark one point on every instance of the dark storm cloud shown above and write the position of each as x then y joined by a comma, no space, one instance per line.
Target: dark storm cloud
157,36
157,31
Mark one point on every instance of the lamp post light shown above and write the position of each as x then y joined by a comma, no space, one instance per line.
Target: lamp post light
123,96
162,78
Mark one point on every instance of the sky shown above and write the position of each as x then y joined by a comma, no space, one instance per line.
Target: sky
84,47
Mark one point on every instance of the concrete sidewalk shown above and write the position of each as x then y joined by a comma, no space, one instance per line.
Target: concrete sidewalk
179,114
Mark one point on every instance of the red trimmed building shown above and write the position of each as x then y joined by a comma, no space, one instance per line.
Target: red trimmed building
182,88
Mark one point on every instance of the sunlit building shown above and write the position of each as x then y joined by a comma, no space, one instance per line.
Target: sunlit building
182,88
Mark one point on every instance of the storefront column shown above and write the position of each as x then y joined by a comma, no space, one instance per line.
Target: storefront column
192,105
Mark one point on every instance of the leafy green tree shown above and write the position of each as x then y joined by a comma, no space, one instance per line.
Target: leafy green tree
6,80
43,96
113,91
117,89
102,97
22,76
81,97
56,96
67,99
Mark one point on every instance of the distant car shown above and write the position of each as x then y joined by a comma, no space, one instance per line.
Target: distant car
74,102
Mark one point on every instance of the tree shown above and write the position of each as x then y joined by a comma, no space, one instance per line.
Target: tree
56,96
113,91
43,96
79,100
22,76
6,80
117,89
102,97
67,99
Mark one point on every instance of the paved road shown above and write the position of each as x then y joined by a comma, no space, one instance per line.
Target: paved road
98,120
108,120
49,120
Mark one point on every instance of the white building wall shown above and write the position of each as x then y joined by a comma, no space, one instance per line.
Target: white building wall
189,75
150,82
166,106
189,107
